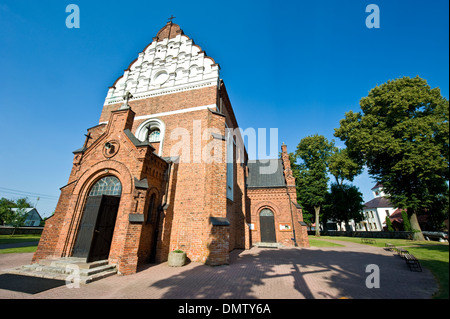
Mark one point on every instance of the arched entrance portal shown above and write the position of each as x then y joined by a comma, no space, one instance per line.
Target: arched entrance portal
99,218
267,225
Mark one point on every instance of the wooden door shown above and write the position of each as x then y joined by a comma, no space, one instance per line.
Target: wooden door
96,228
267,225
103,232
87,226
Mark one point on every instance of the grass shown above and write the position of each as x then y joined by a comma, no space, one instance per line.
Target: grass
432,254
322,243
12,239
435,258
28,249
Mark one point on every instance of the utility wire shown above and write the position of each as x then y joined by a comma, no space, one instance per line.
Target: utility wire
30,194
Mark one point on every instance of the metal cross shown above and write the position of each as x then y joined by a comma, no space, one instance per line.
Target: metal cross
127,97
171,18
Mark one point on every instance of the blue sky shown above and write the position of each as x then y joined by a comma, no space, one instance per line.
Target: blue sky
295,65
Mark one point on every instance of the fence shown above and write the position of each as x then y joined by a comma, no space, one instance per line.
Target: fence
366,234
8,230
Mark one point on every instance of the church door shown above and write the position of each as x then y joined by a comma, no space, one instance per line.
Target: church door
97,224
267,225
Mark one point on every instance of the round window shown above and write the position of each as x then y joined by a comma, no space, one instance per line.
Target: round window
161,77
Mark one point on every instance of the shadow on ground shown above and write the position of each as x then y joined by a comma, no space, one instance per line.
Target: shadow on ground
299,273
28,284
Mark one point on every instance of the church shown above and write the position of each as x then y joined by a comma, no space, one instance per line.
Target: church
165,168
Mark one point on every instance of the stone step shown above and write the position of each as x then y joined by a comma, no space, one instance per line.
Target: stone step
268,245
96,270
98,276
68,269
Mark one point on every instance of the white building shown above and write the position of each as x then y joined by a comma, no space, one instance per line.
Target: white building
375,211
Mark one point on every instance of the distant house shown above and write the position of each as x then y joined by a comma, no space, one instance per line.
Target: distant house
33,217
376,210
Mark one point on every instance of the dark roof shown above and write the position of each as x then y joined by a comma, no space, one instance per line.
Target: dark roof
135,140
377,185
259,174
378,202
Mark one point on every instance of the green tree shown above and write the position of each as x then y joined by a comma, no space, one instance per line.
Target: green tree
5,209
314,152
389,224
406,223
342,166
402,135
17,216
344,203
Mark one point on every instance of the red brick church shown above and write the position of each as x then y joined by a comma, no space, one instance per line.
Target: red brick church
161,171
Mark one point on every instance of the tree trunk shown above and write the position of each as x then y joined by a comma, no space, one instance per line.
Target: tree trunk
317,211
347,227
417,232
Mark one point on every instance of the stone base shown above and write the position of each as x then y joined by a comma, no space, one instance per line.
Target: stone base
70,269
176,259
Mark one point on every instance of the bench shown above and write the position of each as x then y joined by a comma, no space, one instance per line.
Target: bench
412,262
402,252
368,241
390,247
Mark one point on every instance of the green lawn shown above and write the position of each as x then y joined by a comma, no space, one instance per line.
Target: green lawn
322,243
8,239
431,254
28,249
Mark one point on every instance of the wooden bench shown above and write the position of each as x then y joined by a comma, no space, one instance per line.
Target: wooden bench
412,262
368,241
402,252
390,246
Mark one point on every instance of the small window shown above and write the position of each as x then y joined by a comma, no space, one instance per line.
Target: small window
151,207
154,135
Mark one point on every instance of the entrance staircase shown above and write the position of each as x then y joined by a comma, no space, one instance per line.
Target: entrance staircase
268,245
70,269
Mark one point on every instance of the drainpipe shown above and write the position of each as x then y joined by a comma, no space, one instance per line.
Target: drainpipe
292,218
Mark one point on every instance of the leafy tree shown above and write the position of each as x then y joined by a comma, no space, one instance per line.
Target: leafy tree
438,212
344,203
406,223
15,217
342,167
314,151
402,135
389,224
5,209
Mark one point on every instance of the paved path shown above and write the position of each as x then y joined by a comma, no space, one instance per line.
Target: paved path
268,273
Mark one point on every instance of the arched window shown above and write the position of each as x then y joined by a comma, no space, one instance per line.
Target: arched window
152,130
108,185
154,135
266,212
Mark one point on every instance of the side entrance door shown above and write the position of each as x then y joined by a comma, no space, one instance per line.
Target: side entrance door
267,225
96,228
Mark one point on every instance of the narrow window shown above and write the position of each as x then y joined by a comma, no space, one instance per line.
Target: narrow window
151,207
